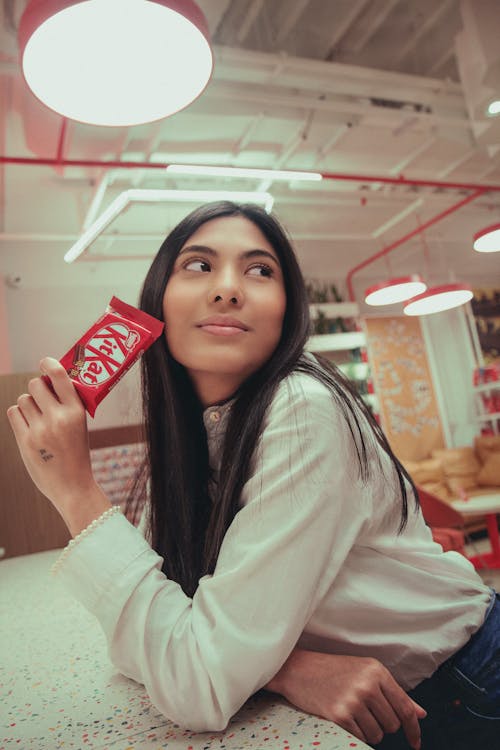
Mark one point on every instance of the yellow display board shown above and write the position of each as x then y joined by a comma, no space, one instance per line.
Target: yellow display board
403,384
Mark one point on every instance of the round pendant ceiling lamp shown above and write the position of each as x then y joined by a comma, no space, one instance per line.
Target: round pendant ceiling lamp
115,62
395,290
439,298
488,240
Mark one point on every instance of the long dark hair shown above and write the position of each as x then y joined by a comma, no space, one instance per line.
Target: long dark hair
187,528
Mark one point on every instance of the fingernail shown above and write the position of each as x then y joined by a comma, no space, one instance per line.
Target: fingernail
48,362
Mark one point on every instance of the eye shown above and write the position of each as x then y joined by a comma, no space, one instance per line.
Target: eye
197,264
262,269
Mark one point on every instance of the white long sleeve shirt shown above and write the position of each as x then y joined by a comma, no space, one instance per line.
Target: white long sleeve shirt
313,558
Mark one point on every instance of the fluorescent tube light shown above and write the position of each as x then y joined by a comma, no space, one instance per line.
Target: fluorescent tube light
160,196
245,172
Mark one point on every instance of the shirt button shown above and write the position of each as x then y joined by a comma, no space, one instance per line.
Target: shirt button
214,416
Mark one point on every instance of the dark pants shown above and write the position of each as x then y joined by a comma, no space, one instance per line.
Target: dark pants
462,698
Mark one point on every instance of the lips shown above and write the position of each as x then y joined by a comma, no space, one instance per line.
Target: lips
222,322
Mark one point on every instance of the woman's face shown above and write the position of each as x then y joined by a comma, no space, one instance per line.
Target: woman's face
224,305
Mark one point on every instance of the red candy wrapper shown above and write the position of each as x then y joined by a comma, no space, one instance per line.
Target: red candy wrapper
102,356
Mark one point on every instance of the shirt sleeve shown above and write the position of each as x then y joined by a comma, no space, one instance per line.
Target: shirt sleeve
200,659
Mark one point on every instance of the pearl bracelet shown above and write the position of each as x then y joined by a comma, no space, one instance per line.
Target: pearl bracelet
85,532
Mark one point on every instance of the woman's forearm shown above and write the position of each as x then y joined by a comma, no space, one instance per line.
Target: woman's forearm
295,662
356,692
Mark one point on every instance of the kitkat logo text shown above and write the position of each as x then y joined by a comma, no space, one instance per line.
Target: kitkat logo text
106,351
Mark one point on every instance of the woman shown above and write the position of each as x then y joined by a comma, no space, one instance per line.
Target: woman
288,550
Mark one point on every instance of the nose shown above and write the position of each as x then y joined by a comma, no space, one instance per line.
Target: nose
226,289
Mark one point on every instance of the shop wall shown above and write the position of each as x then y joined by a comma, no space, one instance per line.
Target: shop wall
404,385
5,356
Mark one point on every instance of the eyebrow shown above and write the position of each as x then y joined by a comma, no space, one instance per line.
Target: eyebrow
255,253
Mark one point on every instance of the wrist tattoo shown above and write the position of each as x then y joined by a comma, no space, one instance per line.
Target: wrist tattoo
45,454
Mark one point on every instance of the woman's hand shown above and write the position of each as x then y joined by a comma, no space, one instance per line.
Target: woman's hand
357,693
51,432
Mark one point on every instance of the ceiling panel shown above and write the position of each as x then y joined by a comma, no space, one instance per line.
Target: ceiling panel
364,88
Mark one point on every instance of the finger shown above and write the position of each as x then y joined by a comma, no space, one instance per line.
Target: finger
17,422
357,731
370,725
351,726
63,387
406,710
28,408
42,393
420,711
384,714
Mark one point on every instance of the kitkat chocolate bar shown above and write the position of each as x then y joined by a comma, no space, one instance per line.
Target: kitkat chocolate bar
102,356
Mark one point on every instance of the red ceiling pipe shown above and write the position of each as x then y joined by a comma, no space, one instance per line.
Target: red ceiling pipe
82,163
401,180
99,163
402,240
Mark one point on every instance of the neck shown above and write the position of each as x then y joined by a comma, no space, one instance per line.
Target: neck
214,389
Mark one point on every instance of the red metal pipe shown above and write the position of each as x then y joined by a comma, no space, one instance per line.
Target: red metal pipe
408,236
80,163
401,180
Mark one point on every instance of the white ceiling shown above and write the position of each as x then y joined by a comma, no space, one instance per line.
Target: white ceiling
364,88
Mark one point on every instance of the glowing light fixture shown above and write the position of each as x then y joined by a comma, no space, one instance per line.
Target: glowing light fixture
394,290
120,203
488,240
494,108
245,172
115,62
438,298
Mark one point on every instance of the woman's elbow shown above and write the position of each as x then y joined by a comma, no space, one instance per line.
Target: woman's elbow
192,713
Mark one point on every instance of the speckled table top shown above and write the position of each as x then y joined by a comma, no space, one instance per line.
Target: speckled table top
58,688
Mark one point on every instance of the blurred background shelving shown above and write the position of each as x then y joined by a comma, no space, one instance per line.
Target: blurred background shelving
338,336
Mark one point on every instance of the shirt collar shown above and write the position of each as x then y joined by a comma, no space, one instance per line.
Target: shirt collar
215,417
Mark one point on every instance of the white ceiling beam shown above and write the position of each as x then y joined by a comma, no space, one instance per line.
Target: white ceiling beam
423,29
489,170
286,152
242,142
342,25
294,11
397,218
328,145
266,97
214,12
456,163
369,24
248,66
249,20
155,136
441,60
397,168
